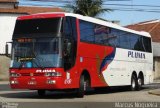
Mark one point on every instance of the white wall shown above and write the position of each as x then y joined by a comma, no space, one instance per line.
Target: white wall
7,23
156,49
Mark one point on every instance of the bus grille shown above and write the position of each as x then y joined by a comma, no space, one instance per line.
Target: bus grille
31,74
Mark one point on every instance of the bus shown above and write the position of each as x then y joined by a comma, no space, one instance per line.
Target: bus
66,51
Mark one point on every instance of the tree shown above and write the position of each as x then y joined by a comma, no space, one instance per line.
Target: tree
88,7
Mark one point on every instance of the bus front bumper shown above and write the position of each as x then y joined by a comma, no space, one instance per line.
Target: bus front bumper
37,83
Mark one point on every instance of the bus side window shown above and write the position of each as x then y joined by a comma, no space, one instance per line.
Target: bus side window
147,44
70,42
87,31
139,44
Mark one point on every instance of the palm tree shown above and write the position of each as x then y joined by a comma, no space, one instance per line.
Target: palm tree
87,7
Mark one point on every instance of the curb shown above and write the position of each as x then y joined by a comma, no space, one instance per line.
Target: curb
156,81
153,92
4,82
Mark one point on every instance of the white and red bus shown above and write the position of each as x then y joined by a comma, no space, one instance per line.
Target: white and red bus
61,51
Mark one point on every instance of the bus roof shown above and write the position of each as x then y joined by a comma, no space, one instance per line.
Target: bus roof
85,18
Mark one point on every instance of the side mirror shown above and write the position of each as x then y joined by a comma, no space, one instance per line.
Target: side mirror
67,47
7,49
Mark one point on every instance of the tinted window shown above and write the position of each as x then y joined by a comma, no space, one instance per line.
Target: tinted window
86,31
104,35
115,34
138,45
101,34
70,28
133,41
70,42
124,40
147,44
32,26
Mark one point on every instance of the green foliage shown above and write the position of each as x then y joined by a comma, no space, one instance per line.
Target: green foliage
87,7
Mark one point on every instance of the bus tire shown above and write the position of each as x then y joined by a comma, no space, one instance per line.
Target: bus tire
41,92
134,83
140,82
82,87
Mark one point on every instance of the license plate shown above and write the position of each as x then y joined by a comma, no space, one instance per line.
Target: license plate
31,82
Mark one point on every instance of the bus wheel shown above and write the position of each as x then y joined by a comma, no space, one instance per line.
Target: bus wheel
134,83
41,92
82,87
140,83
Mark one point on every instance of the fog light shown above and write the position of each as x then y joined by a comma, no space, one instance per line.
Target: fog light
15,75
51,82
14,82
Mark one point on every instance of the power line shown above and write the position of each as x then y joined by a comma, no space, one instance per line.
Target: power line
132,5
138,10
121,8
70,1
135,8
58,1
116,0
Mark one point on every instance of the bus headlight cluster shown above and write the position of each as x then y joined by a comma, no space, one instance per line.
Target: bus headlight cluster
14,74
13,82
49,74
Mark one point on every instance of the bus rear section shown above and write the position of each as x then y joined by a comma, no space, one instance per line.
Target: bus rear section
117,55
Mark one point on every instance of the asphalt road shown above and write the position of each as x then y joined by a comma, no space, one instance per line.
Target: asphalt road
93,99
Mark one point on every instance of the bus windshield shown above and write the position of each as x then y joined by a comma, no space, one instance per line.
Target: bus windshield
42,52
37,43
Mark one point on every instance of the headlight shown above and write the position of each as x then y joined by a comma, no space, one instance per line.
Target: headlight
57,74
14,74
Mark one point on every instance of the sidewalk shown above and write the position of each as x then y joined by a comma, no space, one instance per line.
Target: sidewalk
4,82
155,91
156,81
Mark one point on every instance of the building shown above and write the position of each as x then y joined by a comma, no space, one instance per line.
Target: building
9,11
152,27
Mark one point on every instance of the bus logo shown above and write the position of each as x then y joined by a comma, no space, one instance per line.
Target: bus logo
31,74
136,55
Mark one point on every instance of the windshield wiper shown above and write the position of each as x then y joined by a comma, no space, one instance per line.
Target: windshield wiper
24,60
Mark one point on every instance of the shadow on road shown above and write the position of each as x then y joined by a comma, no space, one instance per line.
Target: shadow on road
34,95
111,90
63,95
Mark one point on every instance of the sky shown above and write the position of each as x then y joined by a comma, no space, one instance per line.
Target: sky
126,11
